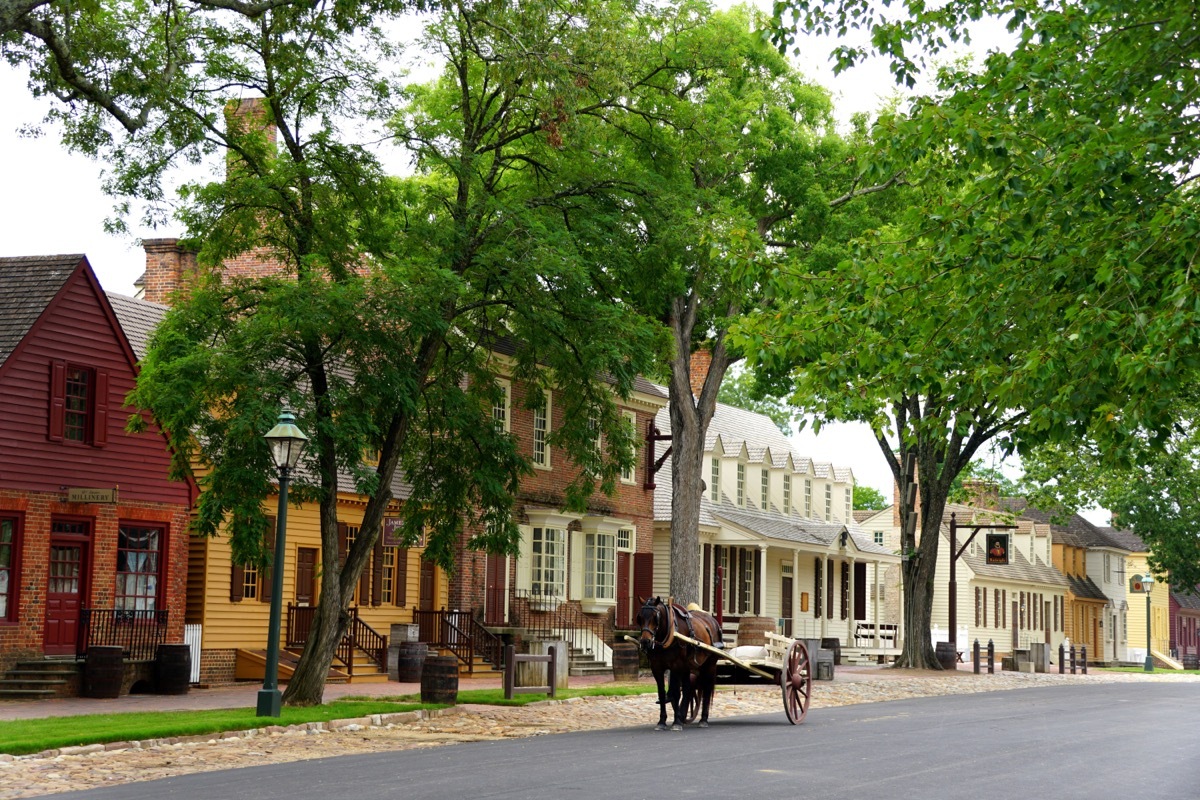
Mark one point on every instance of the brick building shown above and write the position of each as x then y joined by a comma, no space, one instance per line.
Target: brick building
93,535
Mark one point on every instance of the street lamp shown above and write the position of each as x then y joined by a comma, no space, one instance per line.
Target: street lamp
1148,585
287,445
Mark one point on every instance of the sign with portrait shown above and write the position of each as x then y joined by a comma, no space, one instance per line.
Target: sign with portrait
997,548
391,531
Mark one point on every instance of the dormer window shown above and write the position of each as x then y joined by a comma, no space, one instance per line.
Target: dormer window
766,489
787,494
808,498
828,502
741,484
714,489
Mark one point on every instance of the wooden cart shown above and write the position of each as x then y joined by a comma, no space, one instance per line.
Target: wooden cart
785,662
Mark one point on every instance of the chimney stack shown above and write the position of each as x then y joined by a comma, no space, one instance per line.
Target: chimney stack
982,494
169,268
698,369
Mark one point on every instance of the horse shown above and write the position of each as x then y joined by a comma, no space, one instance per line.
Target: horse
692,669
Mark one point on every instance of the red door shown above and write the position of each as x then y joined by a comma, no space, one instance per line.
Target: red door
495,586
306,570
427,598
624,591
66,587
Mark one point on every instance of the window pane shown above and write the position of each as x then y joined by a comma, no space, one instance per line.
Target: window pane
138,564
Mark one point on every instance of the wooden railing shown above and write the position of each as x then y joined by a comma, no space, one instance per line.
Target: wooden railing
138,632
551,618
461,634
359,636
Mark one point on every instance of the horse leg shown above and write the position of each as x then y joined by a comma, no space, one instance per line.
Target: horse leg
708,686
683,697
662,697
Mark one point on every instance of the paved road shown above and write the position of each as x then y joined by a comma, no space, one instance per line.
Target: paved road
1102,741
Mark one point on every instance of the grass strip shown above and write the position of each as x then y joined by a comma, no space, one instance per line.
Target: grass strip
22,736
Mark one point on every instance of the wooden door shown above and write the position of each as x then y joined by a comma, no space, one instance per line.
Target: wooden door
306,572
66,591
624,591
785,605
428,586
495,592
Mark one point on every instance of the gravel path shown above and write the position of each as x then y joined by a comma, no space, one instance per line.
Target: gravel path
103,765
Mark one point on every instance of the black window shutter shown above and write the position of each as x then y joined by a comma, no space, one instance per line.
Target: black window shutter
237,578
377,574
100,420
401,593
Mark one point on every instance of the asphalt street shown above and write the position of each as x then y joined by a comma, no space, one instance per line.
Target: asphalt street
1102,741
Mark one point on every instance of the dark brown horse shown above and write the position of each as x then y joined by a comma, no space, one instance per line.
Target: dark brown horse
692,669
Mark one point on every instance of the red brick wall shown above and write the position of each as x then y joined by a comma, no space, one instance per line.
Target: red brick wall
38,509
546,489
217,666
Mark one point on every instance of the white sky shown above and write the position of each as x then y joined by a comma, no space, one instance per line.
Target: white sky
52,203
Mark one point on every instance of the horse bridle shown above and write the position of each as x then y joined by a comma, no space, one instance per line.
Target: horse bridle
668,633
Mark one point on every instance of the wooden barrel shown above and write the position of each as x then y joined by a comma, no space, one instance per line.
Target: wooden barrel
439,680
946,655
172,669
409,658
104,672
753,630
626,661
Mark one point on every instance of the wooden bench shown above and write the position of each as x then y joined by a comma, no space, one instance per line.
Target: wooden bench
864,634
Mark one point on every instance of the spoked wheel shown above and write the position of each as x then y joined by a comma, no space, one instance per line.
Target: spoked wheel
796,681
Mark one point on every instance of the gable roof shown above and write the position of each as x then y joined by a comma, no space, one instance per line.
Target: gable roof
1075,530
138,318
1124,539
27,285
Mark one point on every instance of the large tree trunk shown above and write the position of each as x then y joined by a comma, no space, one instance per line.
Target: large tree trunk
307,685
919,574
690,416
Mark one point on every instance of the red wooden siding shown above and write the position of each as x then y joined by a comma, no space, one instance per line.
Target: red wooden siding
77,329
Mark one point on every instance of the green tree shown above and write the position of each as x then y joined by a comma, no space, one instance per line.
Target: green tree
868,498
976,471
1153,495
744,175
1054,223
394,294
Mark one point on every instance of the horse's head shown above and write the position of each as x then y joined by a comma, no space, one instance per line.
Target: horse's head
652,621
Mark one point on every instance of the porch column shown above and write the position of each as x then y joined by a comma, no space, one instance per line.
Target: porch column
825,589
850,616
796,593
762,579
875,603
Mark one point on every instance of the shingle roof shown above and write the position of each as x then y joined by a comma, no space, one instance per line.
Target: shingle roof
27,285
1187,600
1074,530
138,318
1126,540
863,514
1086,587
806,531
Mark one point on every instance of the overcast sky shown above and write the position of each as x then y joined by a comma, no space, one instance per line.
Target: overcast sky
53,204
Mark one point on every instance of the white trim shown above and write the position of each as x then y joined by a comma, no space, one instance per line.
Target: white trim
506,386
630,475
546,413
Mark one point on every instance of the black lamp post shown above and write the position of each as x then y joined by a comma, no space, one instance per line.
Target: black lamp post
1148,586
287,445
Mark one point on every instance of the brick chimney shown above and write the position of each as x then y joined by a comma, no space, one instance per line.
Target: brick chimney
698,369
982,494
243,116
169,268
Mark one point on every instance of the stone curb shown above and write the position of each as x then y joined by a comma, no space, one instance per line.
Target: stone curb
306,728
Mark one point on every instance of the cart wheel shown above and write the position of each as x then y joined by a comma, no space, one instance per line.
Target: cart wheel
796,680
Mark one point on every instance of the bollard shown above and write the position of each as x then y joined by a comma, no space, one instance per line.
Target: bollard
975,656
991,657
1072,659
1083,658
1062,657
